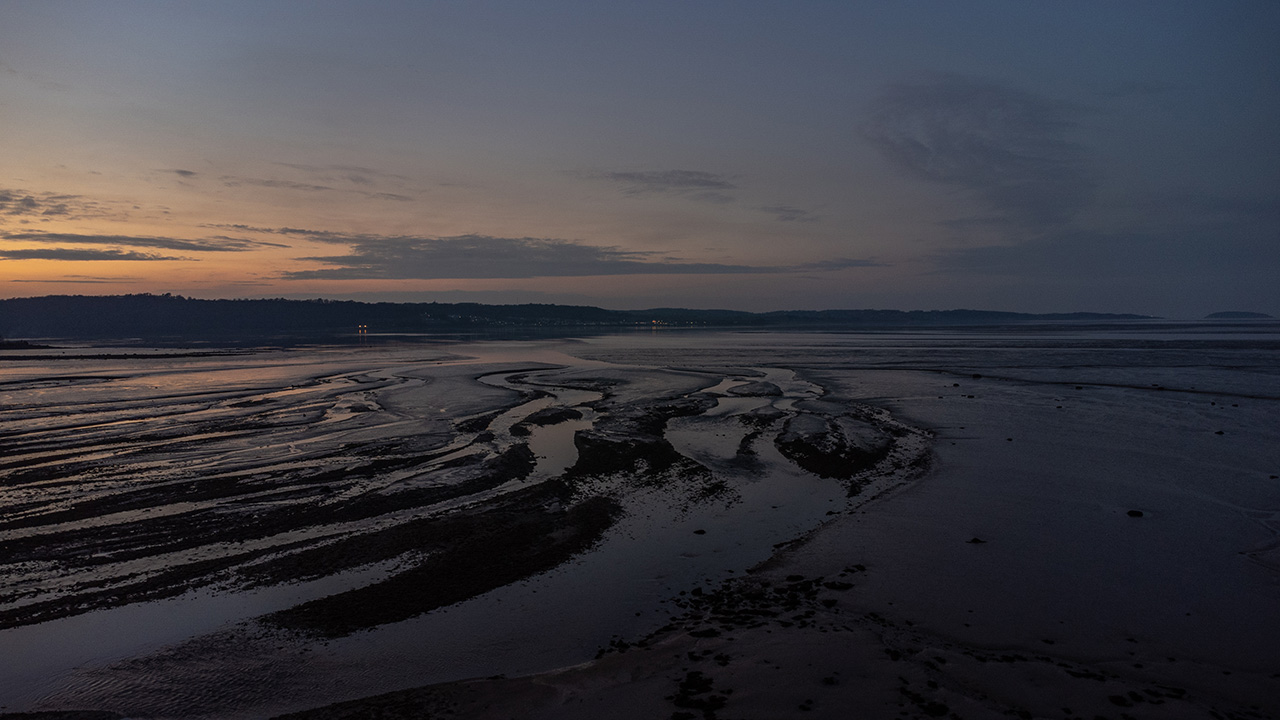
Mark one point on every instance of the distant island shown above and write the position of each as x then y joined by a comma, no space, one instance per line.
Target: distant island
147,316
1236,315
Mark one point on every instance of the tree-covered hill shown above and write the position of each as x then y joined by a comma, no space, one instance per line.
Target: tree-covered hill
172,316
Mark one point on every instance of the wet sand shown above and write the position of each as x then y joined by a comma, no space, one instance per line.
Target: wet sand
994,568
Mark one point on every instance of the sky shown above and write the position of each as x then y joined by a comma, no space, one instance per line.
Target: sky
1094,155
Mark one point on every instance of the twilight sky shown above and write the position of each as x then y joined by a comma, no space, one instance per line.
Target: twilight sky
1101,156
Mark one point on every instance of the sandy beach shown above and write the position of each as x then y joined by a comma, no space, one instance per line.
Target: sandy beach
1038,524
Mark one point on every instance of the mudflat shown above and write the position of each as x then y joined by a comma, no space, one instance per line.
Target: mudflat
686,525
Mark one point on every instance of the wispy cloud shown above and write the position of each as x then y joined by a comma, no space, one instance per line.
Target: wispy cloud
29,204
1011,148
789,213
233,181
80,255
219,243
321,235
698,185
482,256
358,174
363,185
693,184
835,264
80,280
666,180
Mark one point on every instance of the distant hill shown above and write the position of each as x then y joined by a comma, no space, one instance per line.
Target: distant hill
1235,315
20,345
175,317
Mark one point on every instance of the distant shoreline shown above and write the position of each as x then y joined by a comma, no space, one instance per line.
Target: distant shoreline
159,316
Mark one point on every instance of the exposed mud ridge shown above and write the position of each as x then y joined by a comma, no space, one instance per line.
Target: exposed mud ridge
137,541
630,440
469,553
116,497
833,446
545,417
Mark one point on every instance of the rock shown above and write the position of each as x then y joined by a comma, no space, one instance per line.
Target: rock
553,416
756,389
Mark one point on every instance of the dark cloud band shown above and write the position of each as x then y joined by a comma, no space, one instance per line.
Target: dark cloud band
75,254
216,244
481,256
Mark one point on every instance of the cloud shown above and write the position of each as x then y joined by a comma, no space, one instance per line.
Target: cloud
835,264
184,173
1119,255
355,173
80,280
482,256
1011,148
491,297
237,181
78,254
788,213
28,204
319,235
233,181
219,243
693,184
